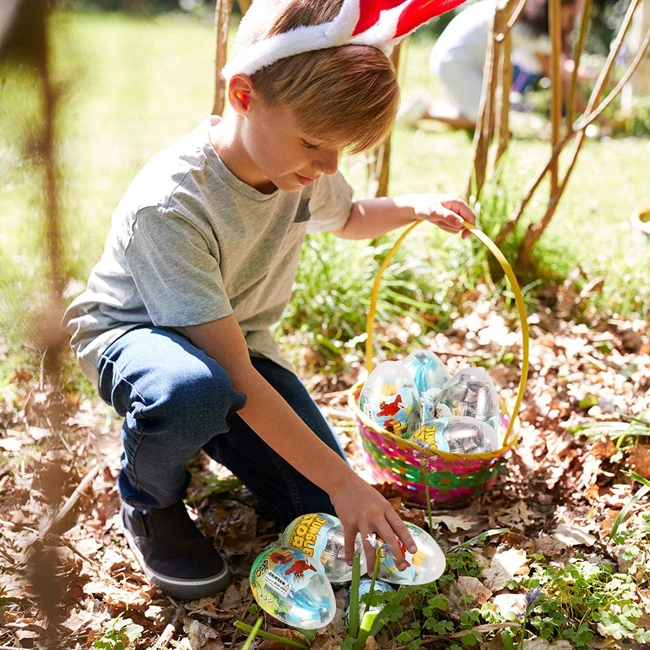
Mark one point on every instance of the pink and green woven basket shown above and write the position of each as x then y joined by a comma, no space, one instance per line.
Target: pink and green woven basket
453,479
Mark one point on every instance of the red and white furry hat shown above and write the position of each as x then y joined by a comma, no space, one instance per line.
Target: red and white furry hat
378,23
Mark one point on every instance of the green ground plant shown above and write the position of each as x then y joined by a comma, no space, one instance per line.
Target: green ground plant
581,599
578,602
121,634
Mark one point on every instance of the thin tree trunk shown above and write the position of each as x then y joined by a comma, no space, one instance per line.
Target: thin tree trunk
222,13
378,168
577,55
555,31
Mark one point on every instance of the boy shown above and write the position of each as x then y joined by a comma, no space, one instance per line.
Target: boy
199,263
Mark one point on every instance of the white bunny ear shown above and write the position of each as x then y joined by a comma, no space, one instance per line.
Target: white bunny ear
304,39
380,23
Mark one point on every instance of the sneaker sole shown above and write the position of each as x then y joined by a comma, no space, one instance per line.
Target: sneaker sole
188,589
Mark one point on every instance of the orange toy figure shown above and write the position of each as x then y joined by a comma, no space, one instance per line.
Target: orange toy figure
390,408
299,567
403,549
395,426
281,557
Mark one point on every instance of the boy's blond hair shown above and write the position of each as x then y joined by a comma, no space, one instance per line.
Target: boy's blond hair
348,94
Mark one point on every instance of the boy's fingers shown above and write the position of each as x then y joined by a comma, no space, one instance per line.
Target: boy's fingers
401,531
388,537
370,554
460,206
448,219
349,536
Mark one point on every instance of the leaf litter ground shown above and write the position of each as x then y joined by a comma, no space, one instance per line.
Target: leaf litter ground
559,499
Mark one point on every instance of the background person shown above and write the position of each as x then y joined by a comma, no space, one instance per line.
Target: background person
459,58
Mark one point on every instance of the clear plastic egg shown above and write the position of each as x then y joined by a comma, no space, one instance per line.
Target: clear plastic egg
390,398
471,393
427,370
321,536
463,435
425,565
292,587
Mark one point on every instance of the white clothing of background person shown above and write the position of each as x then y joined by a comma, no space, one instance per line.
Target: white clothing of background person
459,56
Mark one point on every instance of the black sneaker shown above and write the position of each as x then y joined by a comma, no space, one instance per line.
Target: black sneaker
175,556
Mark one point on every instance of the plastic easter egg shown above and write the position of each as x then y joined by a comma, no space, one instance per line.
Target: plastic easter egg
321,536
292,587
427,370
471,393
428,404
364,588
389,397
462,435
425,565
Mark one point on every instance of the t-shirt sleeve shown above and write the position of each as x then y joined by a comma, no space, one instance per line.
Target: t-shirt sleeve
330,203
176,274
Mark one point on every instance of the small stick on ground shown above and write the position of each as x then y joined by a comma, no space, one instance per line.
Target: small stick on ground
70,503
170,629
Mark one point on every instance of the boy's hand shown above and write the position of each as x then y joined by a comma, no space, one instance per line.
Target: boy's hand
363,510
447,211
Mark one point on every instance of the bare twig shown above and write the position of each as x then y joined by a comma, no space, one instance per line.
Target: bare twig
516,14
555,30
502,128
536,230
222,13
69,504
482,131
493,115
170,628
586,120
379,163
508,227
577,55
59,539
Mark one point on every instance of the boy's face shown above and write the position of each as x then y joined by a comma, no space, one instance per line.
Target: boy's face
282,153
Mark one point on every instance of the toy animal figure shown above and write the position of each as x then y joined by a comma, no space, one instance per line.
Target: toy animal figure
388,409
299,567
281,557
402,548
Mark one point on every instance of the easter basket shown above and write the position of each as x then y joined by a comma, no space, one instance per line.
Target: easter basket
420,471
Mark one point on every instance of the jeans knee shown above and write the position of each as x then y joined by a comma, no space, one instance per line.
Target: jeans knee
197,401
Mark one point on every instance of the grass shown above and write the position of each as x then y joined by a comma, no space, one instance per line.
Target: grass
118,109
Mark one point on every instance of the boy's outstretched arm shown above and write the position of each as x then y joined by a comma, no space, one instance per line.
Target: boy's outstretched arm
358,505
372,218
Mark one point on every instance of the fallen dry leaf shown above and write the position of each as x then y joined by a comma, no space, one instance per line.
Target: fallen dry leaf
504,566
467,586
574,536
199,634
456,522
510,603
639,460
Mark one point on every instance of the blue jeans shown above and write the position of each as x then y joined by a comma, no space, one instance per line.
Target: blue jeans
176,400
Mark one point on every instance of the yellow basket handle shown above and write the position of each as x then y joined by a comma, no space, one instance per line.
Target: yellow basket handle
519,299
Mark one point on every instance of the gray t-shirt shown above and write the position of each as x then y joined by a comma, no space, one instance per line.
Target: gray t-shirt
191,243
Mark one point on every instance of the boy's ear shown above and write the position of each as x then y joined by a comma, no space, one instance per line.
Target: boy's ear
240,93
